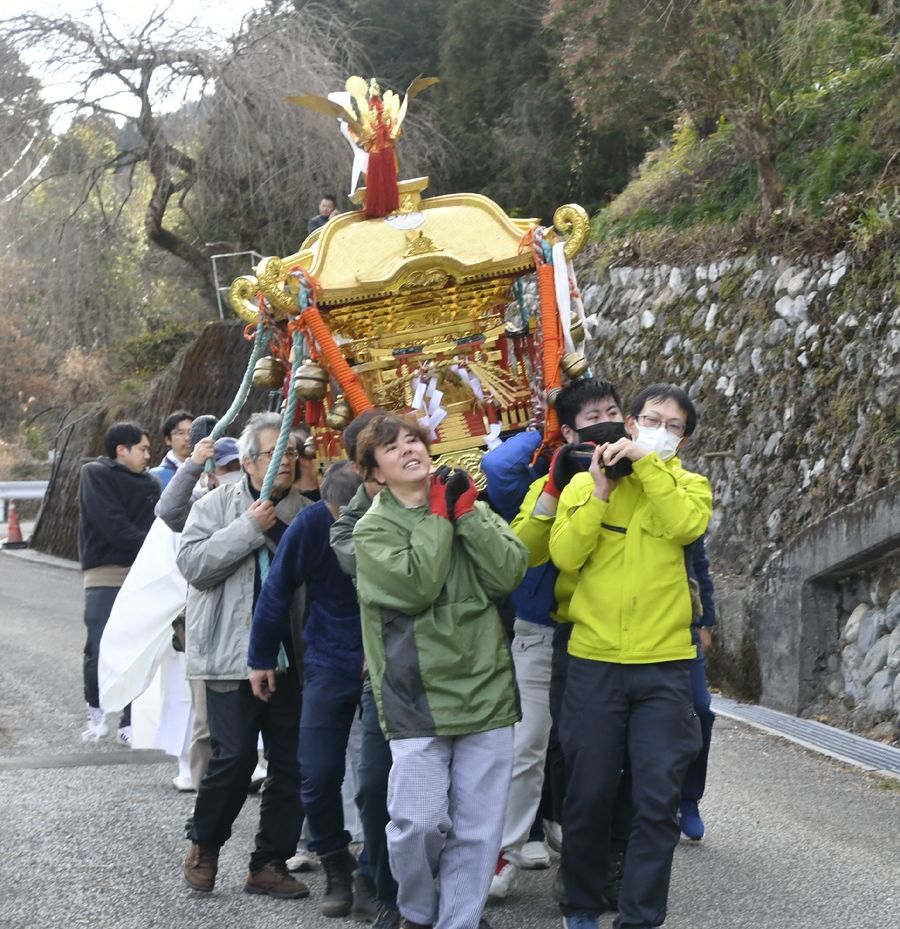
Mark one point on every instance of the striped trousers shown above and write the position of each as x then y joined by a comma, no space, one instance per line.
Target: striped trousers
446,800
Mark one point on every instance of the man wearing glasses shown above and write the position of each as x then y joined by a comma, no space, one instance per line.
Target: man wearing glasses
176,430
220,545
630,655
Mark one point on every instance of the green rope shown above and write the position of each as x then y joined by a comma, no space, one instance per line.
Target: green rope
260,344
284,434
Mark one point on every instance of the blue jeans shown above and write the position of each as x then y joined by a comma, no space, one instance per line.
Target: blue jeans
330,701
98,604
371,797
695,779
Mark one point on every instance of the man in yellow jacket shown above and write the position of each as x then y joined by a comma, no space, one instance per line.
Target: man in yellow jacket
630,653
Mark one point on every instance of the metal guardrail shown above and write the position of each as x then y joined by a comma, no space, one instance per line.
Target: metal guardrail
20,490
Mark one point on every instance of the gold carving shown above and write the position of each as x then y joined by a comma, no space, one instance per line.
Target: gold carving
419,245
424,280
571,221
243,295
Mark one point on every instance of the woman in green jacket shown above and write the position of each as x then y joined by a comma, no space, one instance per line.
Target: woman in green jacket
430,562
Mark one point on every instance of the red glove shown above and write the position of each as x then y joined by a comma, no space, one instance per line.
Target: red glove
438,492
461,493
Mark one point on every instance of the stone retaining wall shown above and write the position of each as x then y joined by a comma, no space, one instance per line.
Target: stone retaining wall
793,364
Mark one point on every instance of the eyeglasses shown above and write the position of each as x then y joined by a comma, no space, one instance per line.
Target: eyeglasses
290,453
181,433
654,422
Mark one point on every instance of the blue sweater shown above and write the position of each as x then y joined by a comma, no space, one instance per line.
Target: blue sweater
509,475
331,628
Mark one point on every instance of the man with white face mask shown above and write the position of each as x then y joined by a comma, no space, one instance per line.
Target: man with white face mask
629,655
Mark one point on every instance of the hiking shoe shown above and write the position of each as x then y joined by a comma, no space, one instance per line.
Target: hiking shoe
200,866
580,921
409,924
553,834
339,867
365,899
689,820
502,881
388,918
534,856
96,725
123,736
273,880
302,861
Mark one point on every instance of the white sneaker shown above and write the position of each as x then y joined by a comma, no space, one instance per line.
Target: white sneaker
534,856
123,736
183,783
302,861
554,834
502,881
96,725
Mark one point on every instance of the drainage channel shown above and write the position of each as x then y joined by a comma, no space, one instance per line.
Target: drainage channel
83,760
844,746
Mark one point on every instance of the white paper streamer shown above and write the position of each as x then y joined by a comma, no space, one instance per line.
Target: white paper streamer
563,300
493,436
434,401
418,400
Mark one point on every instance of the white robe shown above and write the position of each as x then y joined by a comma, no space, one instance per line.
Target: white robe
137,662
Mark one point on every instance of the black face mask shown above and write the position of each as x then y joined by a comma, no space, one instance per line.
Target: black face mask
600,433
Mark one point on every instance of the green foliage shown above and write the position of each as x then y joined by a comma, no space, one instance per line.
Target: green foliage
147,354
34,442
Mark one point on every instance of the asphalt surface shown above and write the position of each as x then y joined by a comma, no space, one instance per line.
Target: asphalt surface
91,836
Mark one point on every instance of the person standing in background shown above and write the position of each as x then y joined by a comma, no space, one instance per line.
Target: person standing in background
176,430
116,499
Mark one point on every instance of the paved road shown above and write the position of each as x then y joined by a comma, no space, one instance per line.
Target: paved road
794,840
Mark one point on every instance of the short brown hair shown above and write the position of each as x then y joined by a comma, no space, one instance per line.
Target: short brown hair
382,430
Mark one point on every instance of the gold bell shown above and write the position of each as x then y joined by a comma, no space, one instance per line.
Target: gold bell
268,372
308,450
311,381
576,330
339,415
573,365
552,394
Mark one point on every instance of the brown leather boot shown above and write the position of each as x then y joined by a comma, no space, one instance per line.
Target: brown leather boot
201,865
273,880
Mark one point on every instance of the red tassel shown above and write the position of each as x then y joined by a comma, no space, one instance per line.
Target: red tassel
313,412
382,192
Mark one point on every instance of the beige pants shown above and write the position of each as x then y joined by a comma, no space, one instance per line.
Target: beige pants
201,748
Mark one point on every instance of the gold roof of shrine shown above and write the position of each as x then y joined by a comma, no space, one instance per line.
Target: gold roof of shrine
427,244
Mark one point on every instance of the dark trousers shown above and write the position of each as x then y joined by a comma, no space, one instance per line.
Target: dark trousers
371,798
330,702
98,604
236,718
645,712
555,772
555,775
695,780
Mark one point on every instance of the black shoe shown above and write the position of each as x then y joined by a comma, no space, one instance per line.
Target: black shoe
339,867
365,900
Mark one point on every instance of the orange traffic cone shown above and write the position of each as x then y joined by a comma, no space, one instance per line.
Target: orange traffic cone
13,529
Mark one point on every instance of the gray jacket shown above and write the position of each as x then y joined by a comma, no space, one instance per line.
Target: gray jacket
178,496
217,557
